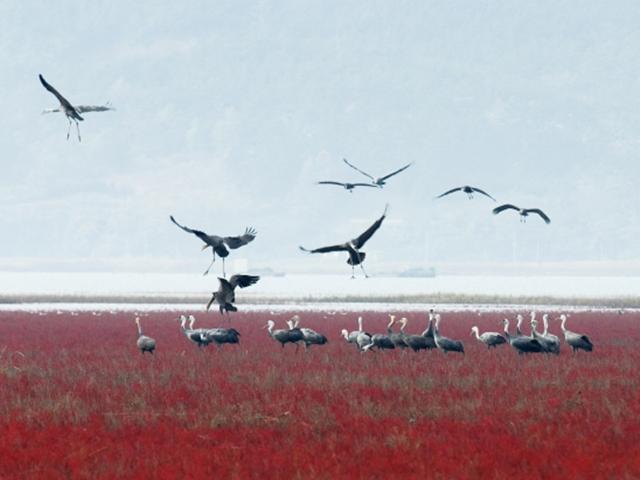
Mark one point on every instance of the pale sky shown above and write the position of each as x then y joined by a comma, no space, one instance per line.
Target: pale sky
228,112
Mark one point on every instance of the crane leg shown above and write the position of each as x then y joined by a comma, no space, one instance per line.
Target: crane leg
353,275
69,129
363,271
224,275
211,264
78,129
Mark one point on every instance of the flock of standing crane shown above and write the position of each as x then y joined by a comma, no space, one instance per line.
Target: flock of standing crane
430,338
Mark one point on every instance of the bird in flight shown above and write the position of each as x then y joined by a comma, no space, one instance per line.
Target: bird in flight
347,186
380,181
356,257
72,112
226,296
219,244
468,190
524,212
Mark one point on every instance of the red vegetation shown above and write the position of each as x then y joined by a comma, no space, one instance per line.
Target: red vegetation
77,399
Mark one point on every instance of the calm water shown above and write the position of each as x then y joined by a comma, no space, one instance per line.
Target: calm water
317,285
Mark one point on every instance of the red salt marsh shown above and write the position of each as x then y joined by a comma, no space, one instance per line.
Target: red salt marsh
79,400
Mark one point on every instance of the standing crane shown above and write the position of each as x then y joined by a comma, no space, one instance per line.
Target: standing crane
521,343
193,336
490,339
552,340
144,343
548,345
577,341
309,336
446,344
281,335
398,338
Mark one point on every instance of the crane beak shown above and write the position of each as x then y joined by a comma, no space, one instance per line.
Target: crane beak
204,247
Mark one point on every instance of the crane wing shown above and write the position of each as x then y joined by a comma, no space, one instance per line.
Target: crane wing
332,248
357,169
539,212
63,101
449,191
368,233
483,193
213,299
237,242
198,233
93,108
330,182
396,172
243,281
506,206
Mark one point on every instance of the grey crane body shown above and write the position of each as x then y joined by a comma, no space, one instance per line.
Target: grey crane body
397,338
225,295
577,341
429,334
144,342
352,247
219,245
363,340
416,342
381,342
283,336
220,336
309,336
446,344
490,339
521,344
350,337
548,345
419,342
194,336
553,342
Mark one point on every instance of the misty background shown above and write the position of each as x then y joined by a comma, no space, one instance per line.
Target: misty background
227,113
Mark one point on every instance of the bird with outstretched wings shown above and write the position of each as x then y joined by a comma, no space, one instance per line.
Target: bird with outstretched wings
524,212
380,181
356,257
468,190
217,243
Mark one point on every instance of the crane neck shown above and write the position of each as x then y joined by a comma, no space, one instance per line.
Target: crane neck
476,332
